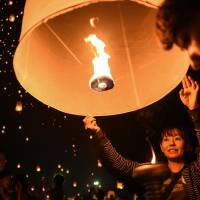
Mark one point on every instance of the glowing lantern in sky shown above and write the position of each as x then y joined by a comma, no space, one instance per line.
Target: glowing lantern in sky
18,165
10,2
99,164
120,185
53,62
96,182
18,106
38,168
74,184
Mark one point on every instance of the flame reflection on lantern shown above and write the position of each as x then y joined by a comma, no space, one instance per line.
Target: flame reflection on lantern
102,79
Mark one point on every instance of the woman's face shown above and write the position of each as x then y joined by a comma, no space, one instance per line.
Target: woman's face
173,145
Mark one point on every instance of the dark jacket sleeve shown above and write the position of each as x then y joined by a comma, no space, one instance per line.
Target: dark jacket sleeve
115,160
195,117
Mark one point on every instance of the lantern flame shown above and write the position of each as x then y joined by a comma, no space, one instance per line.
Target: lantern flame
153,160
102,79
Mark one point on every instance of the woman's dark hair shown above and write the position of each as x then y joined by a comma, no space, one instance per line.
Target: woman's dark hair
171,131
173,19
190,154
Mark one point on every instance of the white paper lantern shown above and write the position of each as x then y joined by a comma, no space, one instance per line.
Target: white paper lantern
54,63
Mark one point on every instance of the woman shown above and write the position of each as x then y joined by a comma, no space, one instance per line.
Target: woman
173,145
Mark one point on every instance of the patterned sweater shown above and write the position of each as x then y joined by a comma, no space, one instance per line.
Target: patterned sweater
191,172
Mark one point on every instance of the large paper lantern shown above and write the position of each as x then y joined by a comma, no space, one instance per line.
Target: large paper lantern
53,62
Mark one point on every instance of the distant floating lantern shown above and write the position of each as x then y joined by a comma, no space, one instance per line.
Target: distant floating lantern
38,168
99,163
74,184
96,182
10,2
78,194
120,185
53,62
91,137
18,107
18,165
11,18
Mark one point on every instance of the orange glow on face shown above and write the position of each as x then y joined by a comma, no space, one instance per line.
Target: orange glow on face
100,61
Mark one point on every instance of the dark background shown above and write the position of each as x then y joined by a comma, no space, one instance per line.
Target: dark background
59,138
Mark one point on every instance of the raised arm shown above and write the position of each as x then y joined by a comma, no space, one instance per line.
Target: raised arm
115,160
189,97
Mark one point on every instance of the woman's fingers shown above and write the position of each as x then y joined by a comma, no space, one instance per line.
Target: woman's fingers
181,92
188,82
184,83
89,122
191,82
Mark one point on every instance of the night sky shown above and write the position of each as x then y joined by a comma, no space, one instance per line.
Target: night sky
40,136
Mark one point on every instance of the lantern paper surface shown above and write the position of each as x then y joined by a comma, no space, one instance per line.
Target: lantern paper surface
54,63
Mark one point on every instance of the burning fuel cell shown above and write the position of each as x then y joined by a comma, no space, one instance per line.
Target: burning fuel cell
102,79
